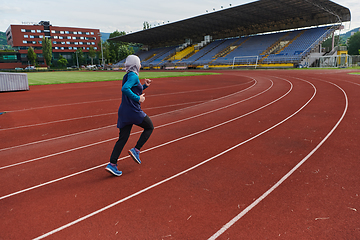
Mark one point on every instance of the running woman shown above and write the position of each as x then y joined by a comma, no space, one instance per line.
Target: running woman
130,113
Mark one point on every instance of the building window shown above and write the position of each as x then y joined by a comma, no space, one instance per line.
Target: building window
61,32
60,37
66,32
62,48
31,36
95,48
62,42
79,32
52,31
26,36
54,42
75,32
23,30
76,43
70,48
56,48
67,42
68,37
34,42
87,33
92,43
40,42
73,38
92,33
32,31
81,43
39,31
24,41
75,48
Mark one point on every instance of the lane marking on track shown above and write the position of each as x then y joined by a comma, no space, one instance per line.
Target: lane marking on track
158,146
351,82
203,102
57,121
92,130
167,124
286,176
57,138
117,99
92,116
161,114
174,176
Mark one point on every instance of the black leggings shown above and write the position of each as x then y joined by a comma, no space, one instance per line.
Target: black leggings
124,135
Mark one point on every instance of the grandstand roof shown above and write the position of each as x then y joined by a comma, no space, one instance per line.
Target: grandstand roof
252,18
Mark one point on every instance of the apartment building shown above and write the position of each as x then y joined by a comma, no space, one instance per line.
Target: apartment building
65,40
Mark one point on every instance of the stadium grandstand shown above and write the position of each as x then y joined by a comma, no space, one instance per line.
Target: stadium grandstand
264,33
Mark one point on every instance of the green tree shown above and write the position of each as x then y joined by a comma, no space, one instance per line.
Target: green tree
106,51
113,56
100,51
115,46
47,50
125,51
354,44
62,62
80,56
92,54
31,55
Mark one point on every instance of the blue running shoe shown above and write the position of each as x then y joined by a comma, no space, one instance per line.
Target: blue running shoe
134,153
113,170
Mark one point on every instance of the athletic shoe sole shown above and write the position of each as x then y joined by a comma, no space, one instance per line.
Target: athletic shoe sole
134,157
112,172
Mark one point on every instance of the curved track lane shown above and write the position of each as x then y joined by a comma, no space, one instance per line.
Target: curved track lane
245,154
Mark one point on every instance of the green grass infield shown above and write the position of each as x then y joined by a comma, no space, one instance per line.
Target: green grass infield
43,78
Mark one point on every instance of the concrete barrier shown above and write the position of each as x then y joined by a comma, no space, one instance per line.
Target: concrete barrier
13,82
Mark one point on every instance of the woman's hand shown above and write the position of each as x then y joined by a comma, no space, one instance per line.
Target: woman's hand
142,98
147,82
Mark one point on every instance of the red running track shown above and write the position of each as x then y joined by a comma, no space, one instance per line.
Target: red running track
243,155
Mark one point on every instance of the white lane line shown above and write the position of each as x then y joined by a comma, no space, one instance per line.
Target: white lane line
167,124
92,130
201,102
62,105
91,116
118,99
161,145
286,176
170,178
57,138
57,121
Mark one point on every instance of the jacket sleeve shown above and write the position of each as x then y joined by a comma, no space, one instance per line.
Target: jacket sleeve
132,81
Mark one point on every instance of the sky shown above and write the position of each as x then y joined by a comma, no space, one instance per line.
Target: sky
121,15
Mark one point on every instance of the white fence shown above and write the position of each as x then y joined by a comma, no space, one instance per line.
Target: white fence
13,82
333,61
